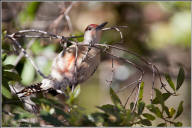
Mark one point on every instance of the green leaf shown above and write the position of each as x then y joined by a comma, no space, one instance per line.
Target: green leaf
3,56
28,73
46,101
108,108
73,95
98,118
141,106
11,76
167,111
23,115
172,111
131,105
155,101
166,96
20,113
155,110
8,67
148,116
179,110
114,97
180,78
146,122
50,119
76,92
6,92
141,91
178,124
161,125
36,48
26,124
159,96
61,112
28,14
171,84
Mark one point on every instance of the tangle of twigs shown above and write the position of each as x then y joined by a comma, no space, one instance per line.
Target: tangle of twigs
44,34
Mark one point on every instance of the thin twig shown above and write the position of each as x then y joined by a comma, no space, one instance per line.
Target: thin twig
21,54
26,55
129,96
113,73
137,95
153,83
60,17
22,33
117,29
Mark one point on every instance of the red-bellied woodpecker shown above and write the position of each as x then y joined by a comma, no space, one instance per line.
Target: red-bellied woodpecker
73,65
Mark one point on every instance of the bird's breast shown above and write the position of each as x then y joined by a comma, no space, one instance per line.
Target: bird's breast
64,64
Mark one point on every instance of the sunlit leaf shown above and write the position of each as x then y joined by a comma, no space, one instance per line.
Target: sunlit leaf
6,92
73,94
169,80
76,91
28,73
141,91
180,78
179,110
172,111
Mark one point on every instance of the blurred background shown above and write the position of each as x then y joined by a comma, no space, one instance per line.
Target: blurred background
158,31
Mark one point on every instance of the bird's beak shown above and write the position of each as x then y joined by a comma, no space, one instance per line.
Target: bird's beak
99,27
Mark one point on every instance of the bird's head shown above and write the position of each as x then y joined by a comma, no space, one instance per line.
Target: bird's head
92,33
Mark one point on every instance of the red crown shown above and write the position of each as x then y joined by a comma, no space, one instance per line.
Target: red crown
91,26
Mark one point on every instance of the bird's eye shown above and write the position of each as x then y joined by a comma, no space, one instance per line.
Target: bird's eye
88,28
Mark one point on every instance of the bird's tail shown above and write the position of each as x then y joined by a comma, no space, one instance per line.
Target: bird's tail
45,86
32,89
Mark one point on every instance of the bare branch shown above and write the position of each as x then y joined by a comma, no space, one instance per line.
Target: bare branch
60,17
26,55
21,54
117,29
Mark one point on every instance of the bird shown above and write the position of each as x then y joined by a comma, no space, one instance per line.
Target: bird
70,69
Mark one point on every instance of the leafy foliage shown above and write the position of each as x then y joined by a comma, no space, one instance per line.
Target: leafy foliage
55,113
